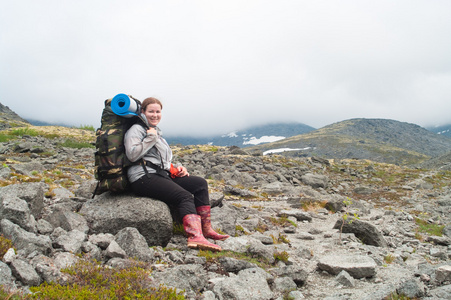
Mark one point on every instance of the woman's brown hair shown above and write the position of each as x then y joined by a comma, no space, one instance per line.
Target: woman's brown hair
150,100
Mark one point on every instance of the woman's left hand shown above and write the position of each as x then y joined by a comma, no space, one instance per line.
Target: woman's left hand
182,171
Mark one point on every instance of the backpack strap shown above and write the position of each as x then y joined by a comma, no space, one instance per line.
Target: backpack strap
160,171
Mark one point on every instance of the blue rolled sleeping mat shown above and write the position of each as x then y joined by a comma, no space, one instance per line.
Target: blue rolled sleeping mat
123,106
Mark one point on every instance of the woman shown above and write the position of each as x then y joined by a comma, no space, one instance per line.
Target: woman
159,179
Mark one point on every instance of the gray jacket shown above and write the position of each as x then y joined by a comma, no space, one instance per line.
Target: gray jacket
151,147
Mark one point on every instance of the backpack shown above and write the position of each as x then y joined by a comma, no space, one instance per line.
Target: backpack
111,162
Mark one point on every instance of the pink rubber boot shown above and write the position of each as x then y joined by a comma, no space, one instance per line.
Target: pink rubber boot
196,240
205,215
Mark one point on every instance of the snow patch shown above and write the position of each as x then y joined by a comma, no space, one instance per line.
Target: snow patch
231,135
263,139
283,150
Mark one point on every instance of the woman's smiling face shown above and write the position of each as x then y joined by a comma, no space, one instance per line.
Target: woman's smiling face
153,114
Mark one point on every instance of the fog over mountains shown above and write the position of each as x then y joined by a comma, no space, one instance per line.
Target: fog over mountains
247,137
380,140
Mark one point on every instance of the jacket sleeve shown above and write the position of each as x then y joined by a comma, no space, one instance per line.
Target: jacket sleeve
137,142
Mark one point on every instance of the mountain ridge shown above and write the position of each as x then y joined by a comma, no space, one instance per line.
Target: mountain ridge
381,140
247,137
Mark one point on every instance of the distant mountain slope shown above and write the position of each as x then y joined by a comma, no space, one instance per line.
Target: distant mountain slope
247,137
9,119
442,130
380,140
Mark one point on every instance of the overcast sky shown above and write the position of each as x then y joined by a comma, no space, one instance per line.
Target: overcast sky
220,66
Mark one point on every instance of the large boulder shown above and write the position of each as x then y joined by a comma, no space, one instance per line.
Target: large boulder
365,231
32,192
110,213
358,266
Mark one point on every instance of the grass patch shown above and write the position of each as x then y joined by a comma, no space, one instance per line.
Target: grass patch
313,206
282,221
213,257
69,143
5,137
281,256
428,228
89,280
389,258
5,244
24,131
86,127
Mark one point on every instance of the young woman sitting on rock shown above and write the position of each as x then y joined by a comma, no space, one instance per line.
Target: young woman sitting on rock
159,179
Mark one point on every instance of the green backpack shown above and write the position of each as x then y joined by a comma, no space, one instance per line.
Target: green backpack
111,163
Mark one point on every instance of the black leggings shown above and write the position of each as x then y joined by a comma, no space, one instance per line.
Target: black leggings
184,193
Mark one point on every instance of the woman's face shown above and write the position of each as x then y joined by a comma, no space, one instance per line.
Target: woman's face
153,114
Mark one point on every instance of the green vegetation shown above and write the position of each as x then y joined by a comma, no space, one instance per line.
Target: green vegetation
71,143
281,239
86,127
429,228
90,281
283,221
389,258
177,229
213,257
24,131
396,296
5,244
281,256
346,216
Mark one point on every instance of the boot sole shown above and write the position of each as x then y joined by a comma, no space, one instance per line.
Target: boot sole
203,247
223,239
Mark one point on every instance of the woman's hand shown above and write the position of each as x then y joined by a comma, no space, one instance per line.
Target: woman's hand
182,171
152,130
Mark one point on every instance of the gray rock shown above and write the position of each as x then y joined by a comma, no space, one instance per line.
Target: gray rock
365,231
29,168
276,187
315,180
411,288
257,249
102,240
68,220
44,227
357,266
298,274
71,241
283,285
25,240
345,279
62,193
295,295
439,240
64,260
24,272
33,193
134,244
443,273
86,189
191,278
248,284
6,277
216,199
47,269
17,211
235,265
114,250
110,213
440,293
300,215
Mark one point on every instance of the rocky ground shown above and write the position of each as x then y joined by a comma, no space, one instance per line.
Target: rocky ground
290,239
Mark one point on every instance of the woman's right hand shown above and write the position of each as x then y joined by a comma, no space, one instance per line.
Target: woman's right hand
152,130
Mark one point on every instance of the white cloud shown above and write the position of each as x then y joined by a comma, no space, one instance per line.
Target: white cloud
221,66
